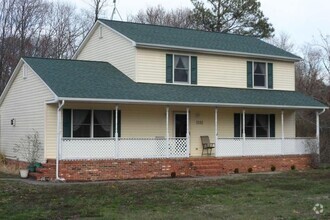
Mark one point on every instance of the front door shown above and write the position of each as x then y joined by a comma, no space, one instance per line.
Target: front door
180,124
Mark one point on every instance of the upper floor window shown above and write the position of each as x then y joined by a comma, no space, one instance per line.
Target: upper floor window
259,74
181,69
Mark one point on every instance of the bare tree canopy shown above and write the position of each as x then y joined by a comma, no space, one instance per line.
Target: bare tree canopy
181,17
283,41
232,16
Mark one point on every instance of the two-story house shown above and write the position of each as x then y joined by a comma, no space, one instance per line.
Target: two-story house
136,100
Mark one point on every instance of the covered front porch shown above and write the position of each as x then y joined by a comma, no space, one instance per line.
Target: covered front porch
155,131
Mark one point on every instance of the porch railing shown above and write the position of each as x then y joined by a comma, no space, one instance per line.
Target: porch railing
228,147
124,148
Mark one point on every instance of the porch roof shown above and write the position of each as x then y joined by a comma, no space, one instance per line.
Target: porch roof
100,81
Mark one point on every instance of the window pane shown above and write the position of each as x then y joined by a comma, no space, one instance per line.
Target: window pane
249,132
180,75
181,62
262,125
259,74
181,68
249,120
81,123
259,80
102,123
82,131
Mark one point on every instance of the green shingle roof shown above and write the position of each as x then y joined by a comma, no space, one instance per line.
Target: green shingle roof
189,38
101,80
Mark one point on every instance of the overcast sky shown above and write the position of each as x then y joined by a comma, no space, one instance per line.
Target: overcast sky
303,20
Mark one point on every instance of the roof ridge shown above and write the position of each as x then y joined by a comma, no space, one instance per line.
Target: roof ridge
181,28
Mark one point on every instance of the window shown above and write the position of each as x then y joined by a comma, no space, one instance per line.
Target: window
259,74
181,69
88,123
256,125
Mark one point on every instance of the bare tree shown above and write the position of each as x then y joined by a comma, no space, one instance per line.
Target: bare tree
283,41
181,17
97,7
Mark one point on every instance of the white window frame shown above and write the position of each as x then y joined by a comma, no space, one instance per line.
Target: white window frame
255,125
266,77
92,123
189,72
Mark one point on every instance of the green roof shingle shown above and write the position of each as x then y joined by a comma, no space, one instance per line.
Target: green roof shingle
101,80
189,38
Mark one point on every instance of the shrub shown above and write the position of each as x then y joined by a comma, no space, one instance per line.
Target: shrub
250,170
236,170
2,158
293,167
173,174
272,168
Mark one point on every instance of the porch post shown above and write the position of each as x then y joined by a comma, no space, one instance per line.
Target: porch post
167,132
243,145
116,132
188,134
282,129
318,132
216,129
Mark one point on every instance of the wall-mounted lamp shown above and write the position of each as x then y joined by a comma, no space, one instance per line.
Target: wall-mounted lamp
13,122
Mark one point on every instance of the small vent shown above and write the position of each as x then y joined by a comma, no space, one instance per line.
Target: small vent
100,32
25,71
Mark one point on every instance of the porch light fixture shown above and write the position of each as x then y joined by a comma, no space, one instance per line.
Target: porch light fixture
13,122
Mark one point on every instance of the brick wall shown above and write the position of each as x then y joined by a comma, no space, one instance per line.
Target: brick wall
96,170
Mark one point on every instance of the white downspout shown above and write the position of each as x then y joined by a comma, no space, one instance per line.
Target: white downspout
59,115
216,130
282,132
116,133
188,134
243,145
167,132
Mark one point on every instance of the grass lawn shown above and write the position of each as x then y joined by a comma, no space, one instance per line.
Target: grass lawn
290,195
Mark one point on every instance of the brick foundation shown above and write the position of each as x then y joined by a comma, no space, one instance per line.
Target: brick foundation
98,170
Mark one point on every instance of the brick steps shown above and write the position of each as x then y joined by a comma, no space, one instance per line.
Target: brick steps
208,167
44,173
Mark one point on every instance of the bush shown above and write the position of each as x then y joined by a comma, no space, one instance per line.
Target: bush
272,168
29,148
250,170
236,170
293,167
173,174
2,158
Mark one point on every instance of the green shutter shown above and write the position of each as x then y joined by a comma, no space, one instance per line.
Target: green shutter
66,122
169,68
114,123
270,75
194,70
237,125
272,125
249,74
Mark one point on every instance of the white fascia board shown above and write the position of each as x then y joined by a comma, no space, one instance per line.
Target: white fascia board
205,104
86,39
217,52
11,80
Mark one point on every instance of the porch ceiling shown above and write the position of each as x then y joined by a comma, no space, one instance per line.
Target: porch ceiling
101,82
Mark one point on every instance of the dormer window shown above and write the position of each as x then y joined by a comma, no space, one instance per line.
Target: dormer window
259,74
181,69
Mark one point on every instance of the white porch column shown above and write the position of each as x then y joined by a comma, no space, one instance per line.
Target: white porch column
243,145
188,134
318,131
167,132
116,132
282,129
216,129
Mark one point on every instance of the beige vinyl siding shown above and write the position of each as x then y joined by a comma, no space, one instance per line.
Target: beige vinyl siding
24,102
212,70
112,48
51,131
284,76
